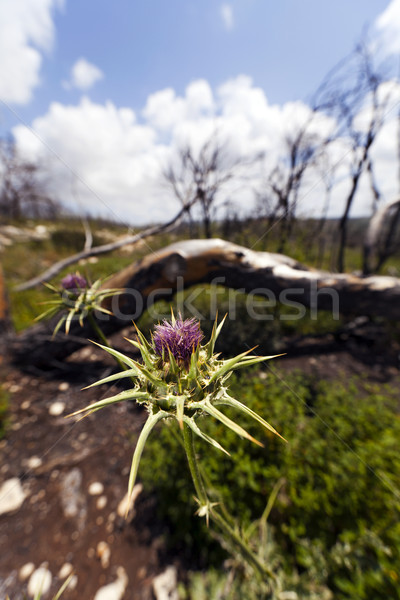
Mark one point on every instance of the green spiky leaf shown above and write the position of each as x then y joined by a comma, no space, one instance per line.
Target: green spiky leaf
196,429
144,434
228,401
207,407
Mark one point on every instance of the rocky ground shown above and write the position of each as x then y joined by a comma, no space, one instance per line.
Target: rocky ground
63,481
63,491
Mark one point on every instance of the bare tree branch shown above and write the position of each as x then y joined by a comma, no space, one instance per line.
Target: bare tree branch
197,178
70,260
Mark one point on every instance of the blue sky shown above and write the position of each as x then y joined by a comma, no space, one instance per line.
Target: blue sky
125,53
286,47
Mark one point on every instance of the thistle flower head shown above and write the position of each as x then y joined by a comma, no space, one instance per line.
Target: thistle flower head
74,282
179,337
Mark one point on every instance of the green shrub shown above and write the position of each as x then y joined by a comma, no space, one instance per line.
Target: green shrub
337,515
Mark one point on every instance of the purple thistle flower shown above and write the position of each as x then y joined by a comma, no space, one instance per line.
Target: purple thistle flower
181,338
74,283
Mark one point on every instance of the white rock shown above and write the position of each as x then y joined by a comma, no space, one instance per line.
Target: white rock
41,230
73,582
104,553
125,506
57,409
115,590
26,571
64,386
73,501
96,488
11,495
39,582
101,502
33,462
165,585
65,570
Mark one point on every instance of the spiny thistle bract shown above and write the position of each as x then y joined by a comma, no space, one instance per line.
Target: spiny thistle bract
77,298
181,379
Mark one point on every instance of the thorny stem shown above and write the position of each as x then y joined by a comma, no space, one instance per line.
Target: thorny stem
219,520
193,465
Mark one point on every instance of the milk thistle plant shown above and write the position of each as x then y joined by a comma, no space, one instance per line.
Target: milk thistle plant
179,378
76,298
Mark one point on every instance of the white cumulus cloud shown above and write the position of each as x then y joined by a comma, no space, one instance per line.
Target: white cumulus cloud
26,31
115,157
84,75
226,12
388,27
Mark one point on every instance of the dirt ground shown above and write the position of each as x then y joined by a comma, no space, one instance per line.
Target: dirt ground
64,518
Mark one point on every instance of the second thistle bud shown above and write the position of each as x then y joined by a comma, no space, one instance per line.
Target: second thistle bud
74,283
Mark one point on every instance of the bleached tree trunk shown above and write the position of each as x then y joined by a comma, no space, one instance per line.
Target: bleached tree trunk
187,263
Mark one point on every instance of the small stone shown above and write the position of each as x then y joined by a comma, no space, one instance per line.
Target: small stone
126,505
39,582
91,553
101,502
25,405
11,495
33,462
73,501
99,521
165,585
64,386
104,553
57,409
96,488
14,388
110,527
115,590
86,352
65,570
26,571
73,582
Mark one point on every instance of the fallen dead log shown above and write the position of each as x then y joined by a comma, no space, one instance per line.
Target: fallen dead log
278,278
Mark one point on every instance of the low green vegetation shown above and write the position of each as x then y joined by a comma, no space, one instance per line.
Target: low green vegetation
336,518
